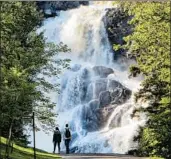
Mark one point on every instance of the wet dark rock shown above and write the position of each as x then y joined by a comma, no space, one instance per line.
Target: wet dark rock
102,115
60,5
74,136
112,84
95,87
94,104
89,95
102,71
117,27
89,119
85,73
74,149
98,96
100,85
120,95
84,78
54,6
93,120
105,98
116,22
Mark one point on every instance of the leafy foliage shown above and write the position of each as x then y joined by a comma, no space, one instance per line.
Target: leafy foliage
149,43
26,65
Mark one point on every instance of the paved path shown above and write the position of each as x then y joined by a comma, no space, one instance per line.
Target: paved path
99,156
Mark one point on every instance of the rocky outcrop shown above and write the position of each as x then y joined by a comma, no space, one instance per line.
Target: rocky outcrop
107,91
117,27
95,95
116,24
104,96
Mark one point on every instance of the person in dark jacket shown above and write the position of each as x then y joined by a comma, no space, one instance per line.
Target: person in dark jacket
67,137
56,139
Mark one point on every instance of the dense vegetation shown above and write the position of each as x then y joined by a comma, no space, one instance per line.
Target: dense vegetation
24,56
149,44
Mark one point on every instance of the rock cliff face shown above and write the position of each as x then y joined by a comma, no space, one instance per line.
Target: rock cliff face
116,24
51,7
117,27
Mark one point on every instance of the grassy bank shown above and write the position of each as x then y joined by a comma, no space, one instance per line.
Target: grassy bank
25,153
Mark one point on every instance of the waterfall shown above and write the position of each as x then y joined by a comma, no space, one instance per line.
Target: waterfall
96,95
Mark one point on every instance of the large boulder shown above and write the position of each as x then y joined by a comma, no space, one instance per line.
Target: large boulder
102,71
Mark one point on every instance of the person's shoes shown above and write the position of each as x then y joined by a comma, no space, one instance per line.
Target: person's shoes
53,151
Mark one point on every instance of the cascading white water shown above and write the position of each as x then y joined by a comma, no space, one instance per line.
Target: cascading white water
83,30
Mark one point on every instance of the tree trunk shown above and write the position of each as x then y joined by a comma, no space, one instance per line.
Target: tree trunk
9,139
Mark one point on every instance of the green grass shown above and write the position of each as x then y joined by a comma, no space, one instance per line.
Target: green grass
26,153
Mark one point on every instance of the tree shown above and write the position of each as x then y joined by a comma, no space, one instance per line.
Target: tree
25,55
149,43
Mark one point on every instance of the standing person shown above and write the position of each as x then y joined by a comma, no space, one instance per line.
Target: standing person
67,137
56,139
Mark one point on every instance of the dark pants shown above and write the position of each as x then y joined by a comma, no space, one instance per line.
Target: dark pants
67,146
55,146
